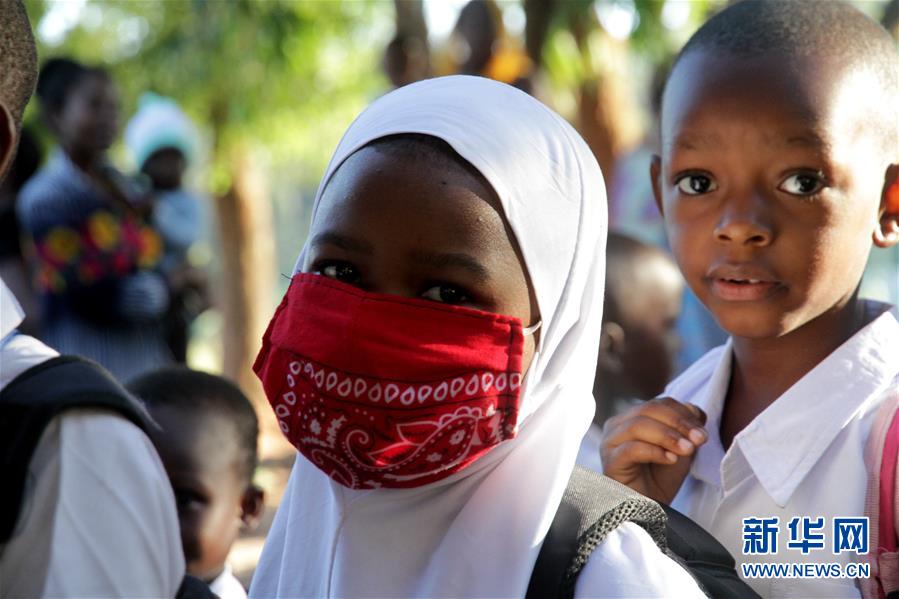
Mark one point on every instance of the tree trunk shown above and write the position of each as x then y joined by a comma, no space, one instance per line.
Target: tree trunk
249,274
608,113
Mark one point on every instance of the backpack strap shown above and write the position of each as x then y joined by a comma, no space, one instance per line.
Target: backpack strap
32,400
882,463
592,506
707,560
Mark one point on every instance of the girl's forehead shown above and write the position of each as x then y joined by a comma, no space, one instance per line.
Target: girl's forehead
382,204
378,179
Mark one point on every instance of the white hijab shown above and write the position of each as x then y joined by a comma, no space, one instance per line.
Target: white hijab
477,533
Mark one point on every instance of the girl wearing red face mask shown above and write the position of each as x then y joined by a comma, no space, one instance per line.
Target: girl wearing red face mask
433,358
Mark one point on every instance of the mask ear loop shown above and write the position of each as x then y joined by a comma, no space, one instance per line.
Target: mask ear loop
533,328
526,407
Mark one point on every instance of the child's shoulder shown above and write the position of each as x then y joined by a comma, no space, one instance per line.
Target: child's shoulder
695,377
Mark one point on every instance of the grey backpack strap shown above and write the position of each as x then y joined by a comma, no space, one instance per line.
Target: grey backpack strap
592,506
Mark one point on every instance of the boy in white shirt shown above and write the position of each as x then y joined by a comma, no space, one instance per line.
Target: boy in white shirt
93,513
638,343
207,441
779,168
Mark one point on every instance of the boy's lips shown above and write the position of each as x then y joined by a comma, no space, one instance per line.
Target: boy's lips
742,283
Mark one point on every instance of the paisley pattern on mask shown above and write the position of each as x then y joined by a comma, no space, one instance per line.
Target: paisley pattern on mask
365,430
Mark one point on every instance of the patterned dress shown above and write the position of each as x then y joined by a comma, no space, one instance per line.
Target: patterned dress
96,270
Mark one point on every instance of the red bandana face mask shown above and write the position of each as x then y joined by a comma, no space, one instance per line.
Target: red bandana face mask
384,391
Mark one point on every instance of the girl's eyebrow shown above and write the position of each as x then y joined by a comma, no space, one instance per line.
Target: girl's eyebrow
343,242
442,260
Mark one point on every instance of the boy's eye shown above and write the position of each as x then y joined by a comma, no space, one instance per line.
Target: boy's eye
342,271
694,185
446,294
802,184
188,500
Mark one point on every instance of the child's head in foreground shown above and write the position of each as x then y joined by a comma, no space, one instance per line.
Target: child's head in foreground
207,443
18,73
780,144
642,303
442,211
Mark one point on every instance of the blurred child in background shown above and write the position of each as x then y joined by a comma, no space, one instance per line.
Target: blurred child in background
163,142
639,341
207,443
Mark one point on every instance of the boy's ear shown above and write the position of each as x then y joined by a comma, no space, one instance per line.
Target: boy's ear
8,138
251,506
886,234
611,347
655,172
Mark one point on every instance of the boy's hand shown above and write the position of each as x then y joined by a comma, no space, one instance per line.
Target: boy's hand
650,447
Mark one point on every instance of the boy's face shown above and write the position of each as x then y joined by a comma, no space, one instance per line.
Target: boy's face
201,458
770,181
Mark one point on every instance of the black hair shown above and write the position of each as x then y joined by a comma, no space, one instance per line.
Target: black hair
191,390
750,28
18,58
57,79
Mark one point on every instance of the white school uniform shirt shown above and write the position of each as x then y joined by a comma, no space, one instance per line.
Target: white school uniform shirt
98,515
226,585
802,456
588,453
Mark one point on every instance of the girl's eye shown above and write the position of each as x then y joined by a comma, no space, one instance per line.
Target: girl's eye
802,184
342,271
694,185
446,294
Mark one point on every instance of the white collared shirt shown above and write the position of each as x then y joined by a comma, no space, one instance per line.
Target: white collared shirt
98,516
802,456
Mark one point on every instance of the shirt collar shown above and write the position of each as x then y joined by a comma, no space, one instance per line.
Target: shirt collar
785,441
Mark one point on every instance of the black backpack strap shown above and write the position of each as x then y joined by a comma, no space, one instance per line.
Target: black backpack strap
711,565
32,400
592,506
